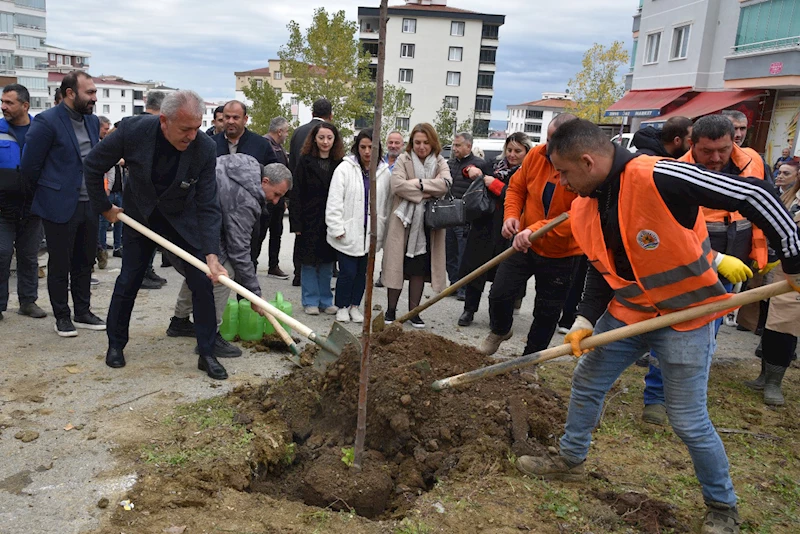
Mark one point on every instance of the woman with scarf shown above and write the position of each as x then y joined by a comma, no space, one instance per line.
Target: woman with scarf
413,252
319,157
484,240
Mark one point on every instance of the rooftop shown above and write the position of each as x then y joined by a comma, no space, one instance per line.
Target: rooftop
547,103
255,72
446,9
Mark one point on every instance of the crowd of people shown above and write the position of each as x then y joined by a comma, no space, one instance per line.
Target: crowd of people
686,221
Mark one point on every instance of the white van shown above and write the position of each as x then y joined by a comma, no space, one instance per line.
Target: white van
625,141
492,148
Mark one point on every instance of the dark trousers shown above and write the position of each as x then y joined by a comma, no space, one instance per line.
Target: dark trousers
553,280
352,280
779,348
455,243
276,232
72,246
24,235
575,293
137,252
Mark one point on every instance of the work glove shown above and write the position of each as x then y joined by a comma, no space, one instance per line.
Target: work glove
794,281
732,268
768,267
581,329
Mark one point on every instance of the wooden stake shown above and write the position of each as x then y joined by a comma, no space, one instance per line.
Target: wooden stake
361,424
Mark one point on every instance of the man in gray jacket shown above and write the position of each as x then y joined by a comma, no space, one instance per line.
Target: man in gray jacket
243,186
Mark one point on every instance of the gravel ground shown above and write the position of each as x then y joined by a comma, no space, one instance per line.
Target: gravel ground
63,412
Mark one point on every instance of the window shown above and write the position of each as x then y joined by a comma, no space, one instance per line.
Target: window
490,31
33,84
455,54
106,108
634,48
205,124
451,102
52,57
457,29
138,95
407,50
535,138
402,123
278,75
138,110
680,42
6,60
59,59
259,83
533,128
106,93
483,104
122,108
78,60
409,25
488,55
651,50
294,101
29,21
485,79
534,114
406,75
25,62
453,78
370,48
407,99
35,4
122,93
7,23
25,41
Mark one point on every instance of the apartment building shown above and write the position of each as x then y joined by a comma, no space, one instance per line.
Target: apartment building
273,76
533,118
439,54
65,60
23,53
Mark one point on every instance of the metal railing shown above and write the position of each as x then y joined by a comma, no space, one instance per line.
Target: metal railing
763,46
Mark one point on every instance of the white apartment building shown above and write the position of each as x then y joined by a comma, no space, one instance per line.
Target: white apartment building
117,97
438,53
65,60
533,118
23,55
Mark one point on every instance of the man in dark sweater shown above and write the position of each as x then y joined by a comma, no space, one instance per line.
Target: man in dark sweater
672,141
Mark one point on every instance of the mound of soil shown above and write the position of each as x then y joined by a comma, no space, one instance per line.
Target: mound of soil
642,512
414,435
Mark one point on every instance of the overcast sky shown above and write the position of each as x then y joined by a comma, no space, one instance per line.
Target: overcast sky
198,44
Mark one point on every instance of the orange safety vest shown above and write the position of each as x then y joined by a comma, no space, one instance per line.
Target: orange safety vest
672,264
752,166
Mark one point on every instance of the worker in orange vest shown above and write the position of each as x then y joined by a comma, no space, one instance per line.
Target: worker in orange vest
638,221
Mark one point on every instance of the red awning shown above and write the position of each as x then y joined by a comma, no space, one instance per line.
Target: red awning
647,103
706,103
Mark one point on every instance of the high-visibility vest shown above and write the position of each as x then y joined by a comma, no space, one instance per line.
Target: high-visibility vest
672,265
752,166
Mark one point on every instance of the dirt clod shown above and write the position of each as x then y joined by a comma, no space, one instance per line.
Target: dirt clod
26,436
102,503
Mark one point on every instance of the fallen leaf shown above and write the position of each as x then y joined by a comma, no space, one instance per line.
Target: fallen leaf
68,427
73,370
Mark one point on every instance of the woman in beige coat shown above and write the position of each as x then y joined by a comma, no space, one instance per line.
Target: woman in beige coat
411,250
779,340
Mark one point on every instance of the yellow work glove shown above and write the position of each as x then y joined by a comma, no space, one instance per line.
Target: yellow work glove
581,329
768,267
732,268
794,281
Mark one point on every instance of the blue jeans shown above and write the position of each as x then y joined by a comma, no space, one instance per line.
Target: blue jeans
352,280
685,359
315,283
653,381
116,199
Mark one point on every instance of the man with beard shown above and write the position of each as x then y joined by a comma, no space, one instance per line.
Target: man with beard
394,146
671,142
218,124
52,163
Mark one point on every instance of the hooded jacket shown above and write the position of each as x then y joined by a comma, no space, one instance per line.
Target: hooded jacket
241,199
648,142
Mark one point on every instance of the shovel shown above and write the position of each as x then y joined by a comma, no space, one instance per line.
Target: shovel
489,265
746,297
331,347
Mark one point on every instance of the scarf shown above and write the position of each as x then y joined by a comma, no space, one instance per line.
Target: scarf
413,215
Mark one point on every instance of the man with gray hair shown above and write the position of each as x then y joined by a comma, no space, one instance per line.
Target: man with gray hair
277,135
243,186
172,189
154,100
739,121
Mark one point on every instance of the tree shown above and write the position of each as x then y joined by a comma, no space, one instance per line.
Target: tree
469,124
266,105
394,106
328,62
599,84
445,123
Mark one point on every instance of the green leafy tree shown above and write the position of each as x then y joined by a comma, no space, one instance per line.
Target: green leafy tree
395,105
599,84
468,125
327,61
445,123
266,105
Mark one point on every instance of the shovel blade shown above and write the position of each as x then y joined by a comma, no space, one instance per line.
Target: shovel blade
338,338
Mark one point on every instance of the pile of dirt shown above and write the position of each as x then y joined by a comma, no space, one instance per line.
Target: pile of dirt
269,343
642,512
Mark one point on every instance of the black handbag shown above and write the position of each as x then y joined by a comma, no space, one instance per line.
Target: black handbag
445,212
477,201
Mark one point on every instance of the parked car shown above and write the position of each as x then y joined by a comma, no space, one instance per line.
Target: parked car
625,140
492,149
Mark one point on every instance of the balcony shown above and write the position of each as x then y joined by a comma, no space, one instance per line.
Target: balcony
368,29
637,22
776,63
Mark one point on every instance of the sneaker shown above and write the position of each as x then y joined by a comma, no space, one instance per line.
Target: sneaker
275,272
655,414
102,258
720,519
311,310
343,316
492,342
149,284
417,322
563,330
551,467
94,281
180,327
355,315
389,317
117,253
31,309
223,348
151,275
331,310
89,321
65,328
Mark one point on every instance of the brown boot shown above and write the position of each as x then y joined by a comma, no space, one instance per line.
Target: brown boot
551,467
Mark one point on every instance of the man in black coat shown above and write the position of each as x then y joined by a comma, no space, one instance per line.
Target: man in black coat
672,141
172,189
321,110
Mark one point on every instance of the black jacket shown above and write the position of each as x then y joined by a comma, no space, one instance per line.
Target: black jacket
461,184
298,139
251,144
648,142
308,197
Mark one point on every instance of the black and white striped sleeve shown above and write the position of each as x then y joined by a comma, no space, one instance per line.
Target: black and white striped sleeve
684,184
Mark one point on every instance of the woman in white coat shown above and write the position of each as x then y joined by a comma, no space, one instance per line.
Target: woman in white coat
348,221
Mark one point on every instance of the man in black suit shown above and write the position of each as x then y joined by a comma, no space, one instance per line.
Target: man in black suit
172,189
321,110
237,139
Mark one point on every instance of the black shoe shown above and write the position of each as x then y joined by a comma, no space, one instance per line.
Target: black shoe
117,253
1,316
741,328
179,327
165,261
223,348
296,281
760,350
114,358
31,309
149,284
212,367
417,322
461,294
389,316
759,331
89,321
466,318
378,283
65,328
275,272
150,274
94,281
